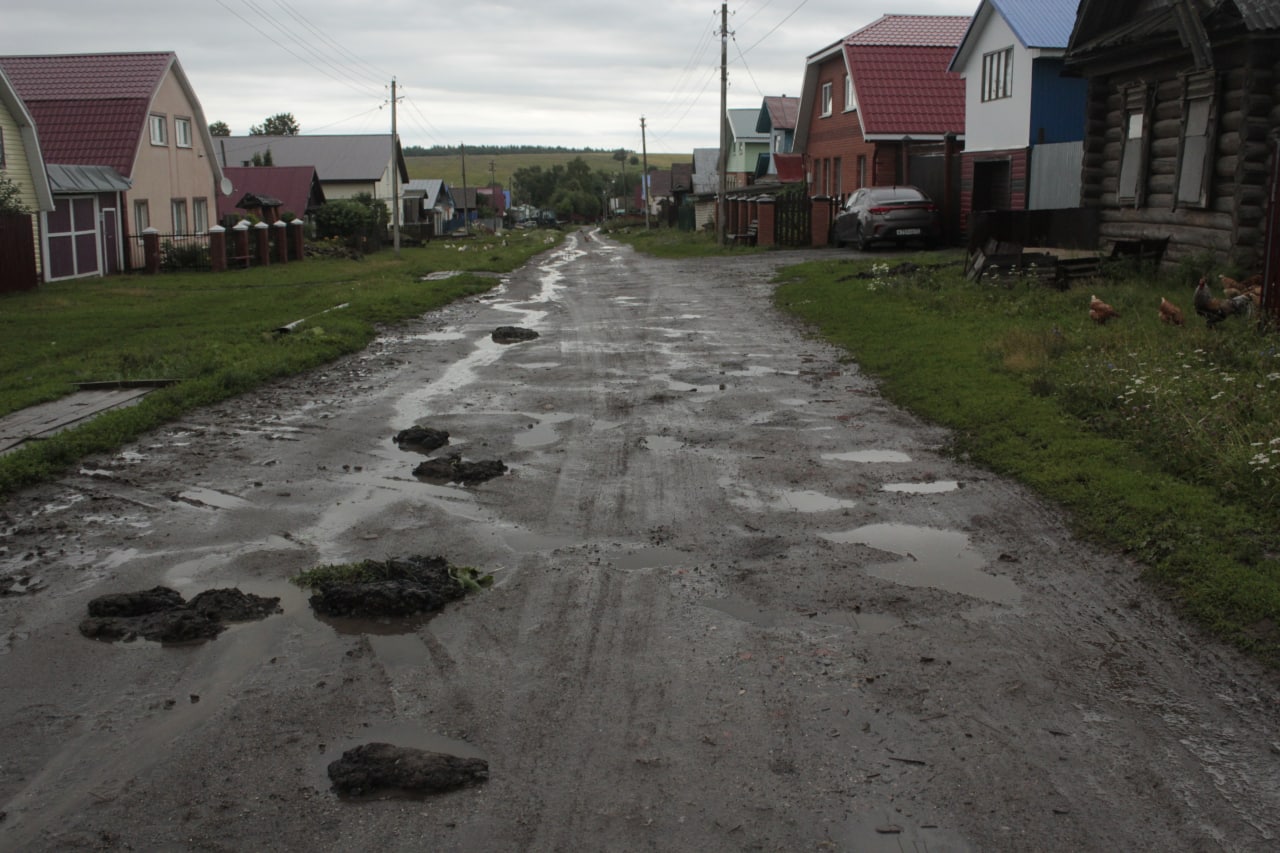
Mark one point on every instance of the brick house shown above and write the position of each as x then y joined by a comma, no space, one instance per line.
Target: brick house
880,107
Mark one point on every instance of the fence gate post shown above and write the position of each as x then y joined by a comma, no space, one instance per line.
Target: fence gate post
821,222
218,248
282,241
151,250
262,244
297,241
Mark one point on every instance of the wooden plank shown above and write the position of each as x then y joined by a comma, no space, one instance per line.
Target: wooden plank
46,419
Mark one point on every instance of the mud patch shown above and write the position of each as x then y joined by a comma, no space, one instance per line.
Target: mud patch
453,469
513,335
162,615
395,588
383,767
422,439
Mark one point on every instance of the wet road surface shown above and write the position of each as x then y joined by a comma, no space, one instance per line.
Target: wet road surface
741,603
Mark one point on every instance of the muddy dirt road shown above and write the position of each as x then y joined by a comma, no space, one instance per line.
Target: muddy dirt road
741,603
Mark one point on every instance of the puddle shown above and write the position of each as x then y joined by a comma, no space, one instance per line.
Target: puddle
937,559
543,432
661,443
439,336
527,542
538,365
212,498
867,456
686,388
745,611
646,558
793,500
935,488
399,651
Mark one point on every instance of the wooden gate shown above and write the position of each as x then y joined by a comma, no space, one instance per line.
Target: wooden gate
17,254
793,219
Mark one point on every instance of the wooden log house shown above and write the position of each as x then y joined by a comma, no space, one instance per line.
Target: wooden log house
1182,124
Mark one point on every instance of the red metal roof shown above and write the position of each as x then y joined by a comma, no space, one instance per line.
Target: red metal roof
899,68
790,168
291,184
913,31
89,109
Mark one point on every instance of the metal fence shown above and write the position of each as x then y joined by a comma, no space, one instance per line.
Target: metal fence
178,252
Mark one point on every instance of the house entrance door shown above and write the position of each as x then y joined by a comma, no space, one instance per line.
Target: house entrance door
110,241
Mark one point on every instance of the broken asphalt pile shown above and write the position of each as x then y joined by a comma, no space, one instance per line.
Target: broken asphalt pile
162,615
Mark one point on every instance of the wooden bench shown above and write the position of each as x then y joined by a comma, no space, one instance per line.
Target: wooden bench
747,237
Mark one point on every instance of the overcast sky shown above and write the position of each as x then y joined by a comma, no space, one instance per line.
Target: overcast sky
578,73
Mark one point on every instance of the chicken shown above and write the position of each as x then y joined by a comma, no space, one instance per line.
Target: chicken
1215,310
1100,312
1169,313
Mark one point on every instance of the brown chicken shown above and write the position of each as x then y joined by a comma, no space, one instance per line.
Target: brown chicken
1215,310
1100,312
1169,313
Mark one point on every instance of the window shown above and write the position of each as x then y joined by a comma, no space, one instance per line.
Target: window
182,132
200,214
862,170
179,208
159,130
850,100
141,217
1,147
997,74
837,176
1195,156
826,99
1133,154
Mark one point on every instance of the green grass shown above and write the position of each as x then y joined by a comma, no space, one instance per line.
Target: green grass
448,167
213,333
1161,442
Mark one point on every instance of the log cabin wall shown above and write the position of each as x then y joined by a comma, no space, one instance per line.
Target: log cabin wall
1231,224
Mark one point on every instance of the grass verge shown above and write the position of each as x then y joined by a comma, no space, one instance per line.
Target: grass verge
1161,442
214,333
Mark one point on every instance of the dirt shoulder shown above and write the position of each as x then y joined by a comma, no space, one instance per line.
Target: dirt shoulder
740,603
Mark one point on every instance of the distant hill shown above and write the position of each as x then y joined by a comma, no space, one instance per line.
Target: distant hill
448,166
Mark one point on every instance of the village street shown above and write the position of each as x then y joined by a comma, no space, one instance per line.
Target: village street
741,603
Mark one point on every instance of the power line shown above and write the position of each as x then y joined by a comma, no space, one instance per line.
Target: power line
776,26
376,74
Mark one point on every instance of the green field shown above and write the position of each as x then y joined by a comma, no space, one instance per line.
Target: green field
449,167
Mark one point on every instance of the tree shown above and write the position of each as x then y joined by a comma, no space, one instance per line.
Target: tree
280,124
11,197
219,128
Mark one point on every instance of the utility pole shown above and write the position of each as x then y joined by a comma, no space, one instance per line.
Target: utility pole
644,164
395,173
724,121
466,217
493,193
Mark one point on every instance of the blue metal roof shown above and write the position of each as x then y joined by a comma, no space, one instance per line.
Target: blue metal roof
1039,23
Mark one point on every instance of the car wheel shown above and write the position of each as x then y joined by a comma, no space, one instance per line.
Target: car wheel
864,242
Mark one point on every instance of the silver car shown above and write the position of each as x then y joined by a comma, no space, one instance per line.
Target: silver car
888,214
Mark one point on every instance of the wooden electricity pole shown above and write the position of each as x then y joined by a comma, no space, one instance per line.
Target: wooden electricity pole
644,178
724,122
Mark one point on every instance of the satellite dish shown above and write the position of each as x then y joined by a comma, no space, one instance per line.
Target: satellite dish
227,186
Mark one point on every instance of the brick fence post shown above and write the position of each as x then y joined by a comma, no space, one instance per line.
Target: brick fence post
218,248
820,222
262,244
281,238
765,221
297,239
151,250
240,238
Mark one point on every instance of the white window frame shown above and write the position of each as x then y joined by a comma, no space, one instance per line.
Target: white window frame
182,132
141,216
178,209
200,215
850,101
997,74
159,125
1197,136
826,98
